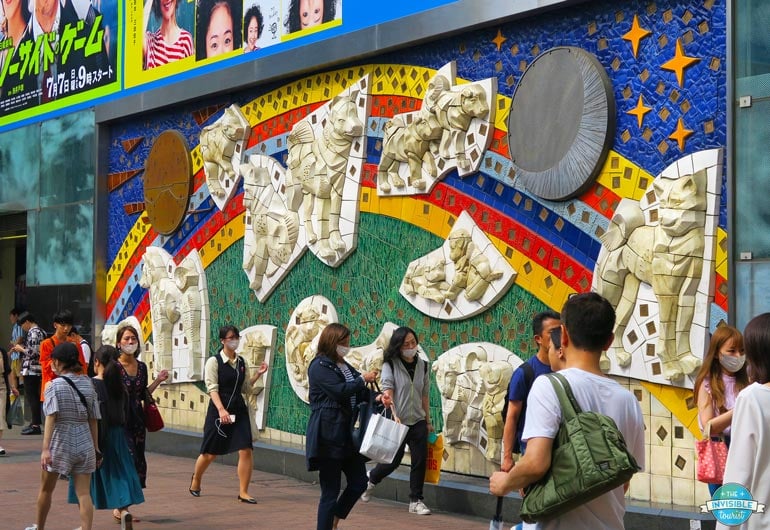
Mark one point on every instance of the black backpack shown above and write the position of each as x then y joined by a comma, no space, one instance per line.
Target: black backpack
529,378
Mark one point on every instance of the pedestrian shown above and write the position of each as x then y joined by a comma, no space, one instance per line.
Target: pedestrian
17,338
228,427
115,484
62,325
405,383
748,459
335,389
70,444
555,352
31,370
8,387
134,374
721,377
521,382
587,324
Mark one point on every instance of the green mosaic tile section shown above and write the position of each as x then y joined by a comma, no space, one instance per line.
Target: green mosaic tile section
364,290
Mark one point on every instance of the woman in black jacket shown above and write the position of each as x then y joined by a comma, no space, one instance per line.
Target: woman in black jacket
335,388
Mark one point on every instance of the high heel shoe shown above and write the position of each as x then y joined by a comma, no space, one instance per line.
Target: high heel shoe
194,493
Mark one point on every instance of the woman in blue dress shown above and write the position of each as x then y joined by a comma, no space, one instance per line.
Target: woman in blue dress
115,485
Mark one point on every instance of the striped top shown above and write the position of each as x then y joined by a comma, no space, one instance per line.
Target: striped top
348,377
160,53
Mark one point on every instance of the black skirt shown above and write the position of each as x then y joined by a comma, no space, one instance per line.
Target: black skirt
228,438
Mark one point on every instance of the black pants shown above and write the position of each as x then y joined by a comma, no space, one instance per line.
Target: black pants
417,439
330,477
32,397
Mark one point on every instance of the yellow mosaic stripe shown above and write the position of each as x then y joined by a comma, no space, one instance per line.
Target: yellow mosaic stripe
530,276
127,250
623,177
676,400
222,240
721,253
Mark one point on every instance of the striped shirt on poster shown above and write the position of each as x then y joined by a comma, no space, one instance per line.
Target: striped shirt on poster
160,53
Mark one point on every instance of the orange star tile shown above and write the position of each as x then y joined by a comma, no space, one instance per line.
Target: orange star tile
679,63
639,111
499,40
680,134
636,34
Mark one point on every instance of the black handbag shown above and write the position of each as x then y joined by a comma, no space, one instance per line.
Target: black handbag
363,412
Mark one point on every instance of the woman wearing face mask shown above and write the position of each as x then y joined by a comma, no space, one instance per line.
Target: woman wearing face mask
722,376
335,388
227,428
405,382
134,372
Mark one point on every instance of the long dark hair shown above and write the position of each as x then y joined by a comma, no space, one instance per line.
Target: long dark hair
756,341
712,369
330,338
393,351
113,381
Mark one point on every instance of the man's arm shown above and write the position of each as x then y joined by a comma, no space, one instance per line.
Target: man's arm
509,433
531,468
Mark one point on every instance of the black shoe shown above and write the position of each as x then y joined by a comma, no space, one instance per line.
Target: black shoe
194,493
32,429
247,500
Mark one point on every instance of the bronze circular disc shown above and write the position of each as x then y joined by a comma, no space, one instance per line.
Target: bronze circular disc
167,182
562,123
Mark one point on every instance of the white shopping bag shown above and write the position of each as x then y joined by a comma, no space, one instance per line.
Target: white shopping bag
382,439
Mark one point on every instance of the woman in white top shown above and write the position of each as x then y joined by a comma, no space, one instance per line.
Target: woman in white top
748,461
721,377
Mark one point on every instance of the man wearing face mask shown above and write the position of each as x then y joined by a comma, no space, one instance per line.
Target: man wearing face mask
405,383
62,324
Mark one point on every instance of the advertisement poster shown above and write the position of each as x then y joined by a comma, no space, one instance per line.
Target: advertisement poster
56,53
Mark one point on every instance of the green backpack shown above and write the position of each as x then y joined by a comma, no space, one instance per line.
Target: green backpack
589,459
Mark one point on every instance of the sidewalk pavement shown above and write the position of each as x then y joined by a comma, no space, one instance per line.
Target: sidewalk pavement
284,503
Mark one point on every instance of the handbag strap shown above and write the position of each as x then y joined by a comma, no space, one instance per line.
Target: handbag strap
569,405
80,394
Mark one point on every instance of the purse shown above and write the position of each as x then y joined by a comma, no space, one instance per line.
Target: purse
153,421
363,413
712,457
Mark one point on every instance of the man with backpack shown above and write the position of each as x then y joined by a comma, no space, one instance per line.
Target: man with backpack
515,408
587,324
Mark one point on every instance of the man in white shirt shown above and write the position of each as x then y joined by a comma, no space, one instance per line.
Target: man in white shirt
587,324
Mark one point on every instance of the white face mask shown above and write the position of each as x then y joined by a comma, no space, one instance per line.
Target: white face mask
129,349
409,353
343,350
732,364
232,344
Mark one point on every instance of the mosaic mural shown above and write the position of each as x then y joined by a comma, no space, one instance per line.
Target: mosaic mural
665,62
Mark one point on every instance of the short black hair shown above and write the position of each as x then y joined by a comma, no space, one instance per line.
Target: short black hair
63,317
17,310
253,12
203,12
589,319
538,319
26,316
224,330
67,354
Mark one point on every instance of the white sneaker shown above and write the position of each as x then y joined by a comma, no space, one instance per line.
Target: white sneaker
2,451
33,527
367,495
419,508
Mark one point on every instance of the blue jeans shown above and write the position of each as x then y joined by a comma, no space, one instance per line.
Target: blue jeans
330,478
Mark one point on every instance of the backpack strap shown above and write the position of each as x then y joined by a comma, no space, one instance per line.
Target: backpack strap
567,401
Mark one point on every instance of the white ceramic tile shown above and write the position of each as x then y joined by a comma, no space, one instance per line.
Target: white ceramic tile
660,489
660,460
660,431
683,491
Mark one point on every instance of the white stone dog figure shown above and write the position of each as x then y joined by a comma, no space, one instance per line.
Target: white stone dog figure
218,142
321,164
454,112
408,142
669,257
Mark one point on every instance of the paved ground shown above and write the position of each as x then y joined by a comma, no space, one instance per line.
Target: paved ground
284,503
